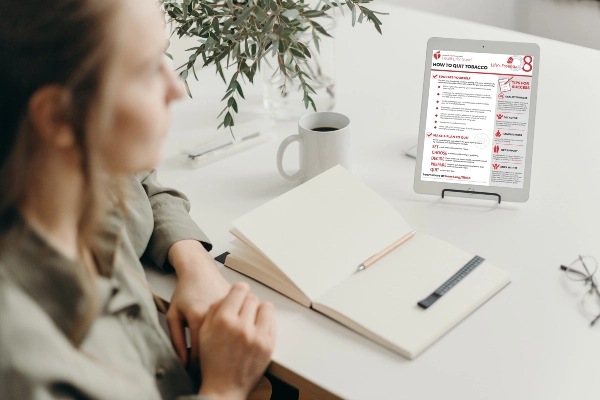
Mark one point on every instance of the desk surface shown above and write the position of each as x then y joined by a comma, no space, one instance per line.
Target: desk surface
529,341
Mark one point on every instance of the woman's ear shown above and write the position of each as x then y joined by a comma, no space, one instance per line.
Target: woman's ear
48,111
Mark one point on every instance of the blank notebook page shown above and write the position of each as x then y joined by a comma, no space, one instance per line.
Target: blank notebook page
383,298
319,232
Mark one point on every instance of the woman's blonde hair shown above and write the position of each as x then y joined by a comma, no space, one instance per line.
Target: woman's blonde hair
68,43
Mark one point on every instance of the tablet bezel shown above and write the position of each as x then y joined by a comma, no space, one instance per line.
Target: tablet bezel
478,46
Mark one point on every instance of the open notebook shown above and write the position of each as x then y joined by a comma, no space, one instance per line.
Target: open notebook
308,243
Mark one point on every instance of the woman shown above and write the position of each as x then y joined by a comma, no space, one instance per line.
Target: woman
83,106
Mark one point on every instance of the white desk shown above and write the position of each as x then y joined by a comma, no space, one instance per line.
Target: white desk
530,341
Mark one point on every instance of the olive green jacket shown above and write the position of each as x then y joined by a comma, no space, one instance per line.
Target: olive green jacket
52,343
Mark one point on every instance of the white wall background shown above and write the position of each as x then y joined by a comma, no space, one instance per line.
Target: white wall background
571,21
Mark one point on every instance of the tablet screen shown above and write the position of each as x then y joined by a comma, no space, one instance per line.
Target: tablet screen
477,118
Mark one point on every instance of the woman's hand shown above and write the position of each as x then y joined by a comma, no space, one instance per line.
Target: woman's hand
199,284
237,339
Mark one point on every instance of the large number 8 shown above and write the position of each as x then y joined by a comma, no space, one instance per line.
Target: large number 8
527,63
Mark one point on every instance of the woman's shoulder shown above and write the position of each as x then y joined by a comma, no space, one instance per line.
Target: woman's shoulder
38,361
28,336
19,314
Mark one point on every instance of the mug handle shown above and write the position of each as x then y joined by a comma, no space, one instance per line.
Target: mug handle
282,147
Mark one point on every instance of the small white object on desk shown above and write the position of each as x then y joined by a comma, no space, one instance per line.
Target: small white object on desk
218,146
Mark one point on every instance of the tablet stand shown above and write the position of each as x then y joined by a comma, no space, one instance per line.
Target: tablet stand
472,192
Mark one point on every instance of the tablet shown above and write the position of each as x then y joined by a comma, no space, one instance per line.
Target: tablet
477,119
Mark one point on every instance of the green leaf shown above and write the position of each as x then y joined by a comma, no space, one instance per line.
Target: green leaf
377,27
227,94
239,21
312,103
304,49
227,23
279,30
233,104
339,5
221,113
297,53
320,29
215,26
307,86
239,89
220,71
291,14
353,8
184,74
228,120
233,81
169,55
328,3
187,89
372,16
260,14
313,13
316,40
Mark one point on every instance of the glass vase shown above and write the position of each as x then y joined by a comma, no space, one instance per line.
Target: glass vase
287,102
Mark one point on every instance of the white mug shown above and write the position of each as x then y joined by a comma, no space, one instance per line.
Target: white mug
319,150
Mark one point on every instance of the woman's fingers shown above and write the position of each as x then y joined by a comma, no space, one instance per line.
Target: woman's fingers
236,342
249,309
232,303
177,329
264,318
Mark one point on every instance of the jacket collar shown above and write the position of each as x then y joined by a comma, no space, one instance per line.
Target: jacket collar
62,287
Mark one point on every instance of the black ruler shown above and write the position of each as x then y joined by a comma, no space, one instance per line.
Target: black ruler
450,283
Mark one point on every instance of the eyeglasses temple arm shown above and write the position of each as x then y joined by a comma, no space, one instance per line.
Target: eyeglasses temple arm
564,268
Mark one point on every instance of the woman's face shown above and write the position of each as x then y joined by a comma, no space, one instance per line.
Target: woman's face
145,86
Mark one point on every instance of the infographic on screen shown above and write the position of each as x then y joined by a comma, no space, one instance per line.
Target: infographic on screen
477,118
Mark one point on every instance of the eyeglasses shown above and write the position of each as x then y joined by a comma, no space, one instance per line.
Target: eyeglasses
583,270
